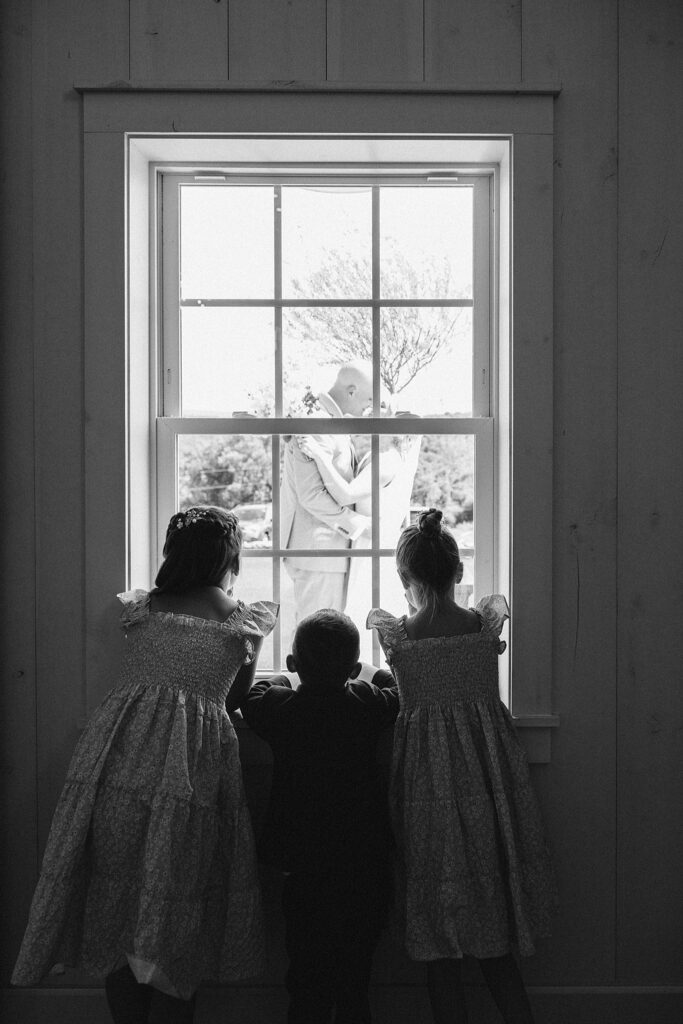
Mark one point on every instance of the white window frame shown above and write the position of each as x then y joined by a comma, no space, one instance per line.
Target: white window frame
127,133
169,423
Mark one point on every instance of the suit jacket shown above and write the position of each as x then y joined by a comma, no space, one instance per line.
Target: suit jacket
310,516
328,805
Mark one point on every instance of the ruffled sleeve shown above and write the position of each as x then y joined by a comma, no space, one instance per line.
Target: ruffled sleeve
494,611
255,621
135,607
389,629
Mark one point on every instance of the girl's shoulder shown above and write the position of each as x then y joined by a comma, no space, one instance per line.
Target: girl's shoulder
391,629
493,610
252,620
257,619
135,607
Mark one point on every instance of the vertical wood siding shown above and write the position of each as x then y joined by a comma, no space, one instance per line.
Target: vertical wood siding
577,45
272,40
473,42
19,849
375,41
69,41
650,594
178,40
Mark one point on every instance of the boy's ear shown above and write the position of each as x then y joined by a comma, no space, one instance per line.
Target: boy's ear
291,664
458,572
355,671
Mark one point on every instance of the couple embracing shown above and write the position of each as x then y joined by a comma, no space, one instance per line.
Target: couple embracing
326,501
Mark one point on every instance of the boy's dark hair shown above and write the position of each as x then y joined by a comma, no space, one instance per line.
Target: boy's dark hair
202,544
326,644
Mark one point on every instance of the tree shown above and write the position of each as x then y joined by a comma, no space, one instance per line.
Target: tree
411,336
238,469
225,471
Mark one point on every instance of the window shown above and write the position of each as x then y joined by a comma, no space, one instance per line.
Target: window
271,282
132,138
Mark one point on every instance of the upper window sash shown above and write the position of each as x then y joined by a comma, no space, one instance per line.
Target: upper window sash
170,384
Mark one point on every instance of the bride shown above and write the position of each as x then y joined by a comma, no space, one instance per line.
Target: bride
398,455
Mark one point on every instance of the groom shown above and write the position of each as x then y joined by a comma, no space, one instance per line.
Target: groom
311,518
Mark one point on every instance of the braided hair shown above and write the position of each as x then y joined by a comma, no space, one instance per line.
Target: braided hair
202,544
427,558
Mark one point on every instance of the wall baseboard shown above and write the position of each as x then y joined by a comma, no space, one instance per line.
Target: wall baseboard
392,1004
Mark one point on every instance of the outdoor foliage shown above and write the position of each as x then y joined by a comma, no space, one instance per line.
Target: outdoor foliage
410,339
225,471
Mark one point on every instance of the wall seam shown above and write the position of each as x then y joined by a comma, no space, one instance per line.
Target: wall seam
129,36
34,474
424,40
616,518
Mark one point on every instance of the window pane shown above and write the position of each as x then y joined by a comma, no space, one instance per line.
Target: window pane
426,359
426,242
391,590
255,583
227,361
233,471
444,479
315,342
327,242
226,242
392,594
434,471
354,573
399,461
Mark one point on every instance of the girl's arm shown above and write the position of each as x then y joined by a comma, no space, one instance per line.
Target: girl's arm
243,679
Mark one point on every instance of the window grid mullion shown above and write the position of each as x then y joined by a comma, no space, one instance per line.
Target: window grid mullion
275,445
481,312
377,399
170,285
326,303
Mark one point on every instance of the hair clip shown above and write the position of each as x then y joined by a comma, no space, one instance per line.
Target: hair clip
193,515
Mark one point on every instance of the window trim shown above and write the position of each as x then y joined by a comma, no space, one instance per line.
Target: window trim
125,132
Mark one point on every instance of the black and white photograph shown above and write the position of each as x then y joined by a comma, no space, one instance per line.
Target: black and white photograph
342,646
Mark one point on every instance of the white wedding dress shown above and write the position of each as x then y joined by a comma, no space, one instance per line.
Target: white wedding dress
398,468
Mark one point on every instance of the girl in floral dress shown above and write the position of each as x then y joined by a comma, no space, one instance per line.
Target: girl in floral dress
149,876
475,869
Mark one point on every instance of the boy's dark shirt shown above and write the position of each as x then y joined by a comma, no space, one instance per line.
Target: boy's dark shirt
328,804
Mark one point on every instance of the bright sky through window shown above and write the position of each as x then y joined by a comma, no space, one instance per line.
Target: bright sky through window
227,255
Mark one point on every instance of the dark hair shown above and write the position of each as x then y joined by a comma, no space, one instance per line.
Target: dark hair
427,555
201,545
326,644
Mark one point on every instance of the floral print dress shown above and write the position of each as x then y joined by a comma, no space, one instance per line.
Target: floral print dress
151,854
475,871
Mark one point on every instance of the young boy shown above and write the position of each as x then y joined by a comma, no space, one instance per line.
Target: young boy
327,825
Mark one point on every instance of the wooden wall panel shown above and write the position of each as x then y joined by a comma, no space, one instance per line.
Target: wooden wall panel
375,41
577,45
178,41
650,595
71,42
473,42
274,40
18,855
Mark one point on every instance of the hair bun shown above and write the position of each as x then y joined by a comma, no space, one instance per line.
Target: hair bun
429,522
